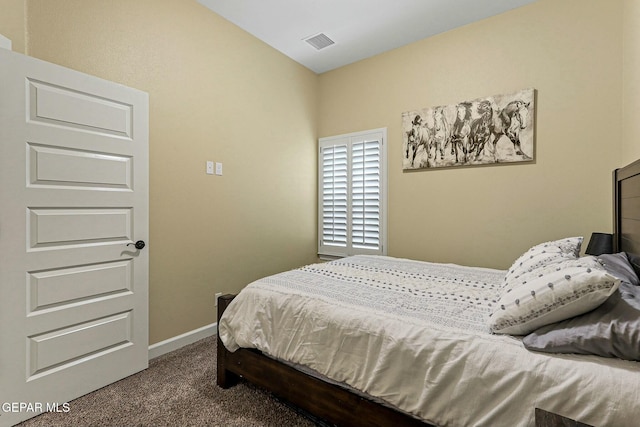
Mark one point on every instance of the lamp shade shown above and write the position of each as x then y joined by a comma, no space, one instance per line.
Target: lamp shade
600,243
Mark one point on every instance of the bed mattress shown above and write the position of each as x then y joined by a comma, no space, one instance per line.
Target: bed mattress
415,335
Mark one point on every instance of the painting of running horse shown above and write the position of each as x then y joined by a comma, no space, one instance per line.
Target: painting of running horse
492,130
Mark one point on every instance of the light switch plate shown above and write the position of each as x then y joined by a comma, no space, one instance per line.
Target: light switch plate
209,168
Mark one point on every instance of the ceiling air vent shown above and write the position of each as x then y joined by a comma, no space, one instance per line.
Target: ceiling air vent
319,41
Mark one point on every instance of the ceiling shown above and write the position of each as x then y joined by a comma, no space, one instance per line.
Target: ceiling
358,28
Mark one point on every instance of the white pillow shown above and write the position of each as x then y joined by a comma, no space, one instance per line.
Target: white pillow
541,255
552,293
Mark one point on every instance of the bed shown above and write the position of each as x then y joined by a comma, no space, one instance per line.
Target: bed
442,344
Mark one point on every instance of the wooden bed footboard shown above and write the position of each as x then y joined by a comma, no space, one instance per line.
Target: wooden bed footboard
224,377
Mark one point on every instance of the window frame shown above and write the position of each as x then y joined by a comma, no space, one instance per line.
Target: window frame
330,251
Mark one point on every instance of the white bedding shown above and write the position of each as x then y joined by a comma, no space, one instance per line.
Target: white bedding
415,335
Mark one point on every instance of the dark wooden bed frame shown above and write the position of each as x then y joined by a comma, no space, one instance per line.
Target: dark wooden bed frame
333,404
626,212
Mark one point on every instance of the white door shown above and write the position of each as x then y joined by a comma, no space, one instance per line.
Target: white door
73,199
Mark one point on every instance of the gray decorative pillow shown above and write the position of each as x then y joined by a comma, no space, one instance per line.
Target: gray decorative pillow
541,255
611,330
619,266
552,293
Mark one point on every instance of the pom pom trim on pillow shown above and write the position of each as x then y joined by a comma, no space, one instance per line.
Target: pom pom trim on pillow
542,255
550,294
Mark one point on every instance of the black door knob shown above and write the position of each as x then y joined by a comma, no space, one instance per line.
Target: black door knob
139,244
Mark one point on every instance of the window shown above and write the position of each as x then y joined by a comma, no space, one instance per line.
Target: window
352,182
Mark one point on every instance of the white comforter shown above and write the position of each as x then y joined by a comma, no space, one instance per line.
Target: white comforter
415,335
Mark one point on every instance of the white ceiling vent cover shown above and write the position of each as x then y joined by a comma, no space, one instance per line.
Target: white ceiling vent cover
319,41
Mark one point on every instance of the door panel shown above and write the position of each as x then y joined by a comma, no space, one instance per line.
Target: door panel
75,109
58,288
62,347
55,227
73,195
64,167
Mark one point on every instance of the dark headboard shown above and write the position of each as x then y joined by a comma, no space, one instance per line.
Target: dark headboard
626,212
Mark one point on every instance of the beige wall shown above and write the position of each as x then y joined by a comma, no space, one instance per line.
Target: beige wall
12,23
216,93
570,51
631,82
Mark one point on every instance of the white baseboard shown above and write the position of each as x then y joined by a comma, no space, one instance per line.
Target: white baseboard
166,346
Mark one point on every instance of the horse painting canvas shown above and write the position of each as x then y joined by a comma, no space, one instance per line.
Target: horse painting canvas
492,130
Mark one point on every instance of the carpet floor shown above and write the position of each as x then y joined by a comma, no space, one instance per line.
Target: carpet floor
178,389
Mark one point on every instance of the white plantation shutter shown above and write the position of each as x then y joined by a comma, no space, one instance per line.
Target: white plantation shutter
335,188
352,199
365,194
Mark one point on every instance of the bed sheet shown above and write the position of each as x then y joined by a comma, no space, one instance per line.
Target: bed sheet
415,334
